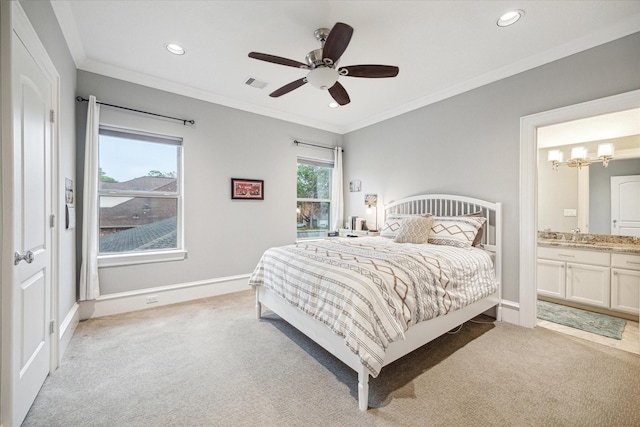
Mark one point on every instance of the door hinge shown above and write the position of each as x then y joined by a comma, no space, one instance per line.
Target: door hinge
52,220
52,116
52,327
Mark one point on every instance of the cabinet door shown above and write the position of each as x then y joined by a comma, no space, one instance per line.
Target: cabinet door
551,278
588,284
625,290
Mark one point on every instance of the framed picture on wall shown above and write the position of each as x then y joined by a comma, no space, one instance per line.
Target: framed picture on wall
249,189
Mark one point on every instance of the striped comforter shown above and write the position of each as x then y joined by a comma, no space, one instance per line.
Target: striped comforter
371,290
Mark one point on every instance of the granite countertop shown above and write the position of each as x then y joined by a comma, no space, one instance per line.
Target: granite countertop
594,244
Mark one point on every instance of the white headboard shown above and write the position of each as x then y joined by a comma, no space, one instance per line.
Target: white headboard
453,205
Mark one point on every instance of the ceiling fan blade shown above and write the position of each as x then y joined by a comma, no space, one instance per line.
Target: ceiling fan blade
337,42
277,60
288,87
369,71
339,93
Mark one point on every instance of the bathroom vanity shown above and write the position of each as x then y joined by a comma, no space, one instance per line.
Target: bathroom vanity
593,271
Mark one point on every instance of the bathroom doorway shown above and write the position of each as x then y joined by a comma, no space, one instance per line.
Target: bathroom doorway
530,145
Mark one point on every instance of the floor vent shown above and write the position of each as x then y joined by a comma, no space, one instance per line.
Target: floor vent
255,83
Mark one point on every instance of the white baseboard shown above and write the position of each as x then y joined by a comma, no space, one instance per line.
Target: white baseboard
67,328
511,312
124,302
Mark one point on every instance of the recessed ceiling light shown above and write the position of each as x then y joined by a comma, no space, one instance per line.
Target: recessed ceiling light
333,105
176,49
510,18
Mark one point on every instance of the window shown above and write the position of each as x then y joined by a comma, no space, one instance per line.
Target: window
139,192
314,198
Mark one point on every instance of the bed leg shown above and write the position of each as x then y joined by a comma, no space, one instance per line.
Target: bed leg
363,389
258,305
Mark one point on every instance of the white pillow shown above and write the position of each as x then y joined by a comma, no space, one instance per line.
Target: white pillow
415,229
459,231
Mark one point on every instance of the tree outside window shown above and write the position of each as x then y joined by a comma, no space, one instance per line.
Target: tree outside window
313,210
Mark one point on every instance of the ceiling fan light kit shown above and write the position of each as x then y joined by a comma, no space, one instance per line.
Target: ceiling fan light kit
322,77
322,64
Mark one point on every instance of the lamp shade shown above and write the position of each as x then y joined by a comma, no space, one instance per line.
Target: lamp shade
605,150
578,153
555,156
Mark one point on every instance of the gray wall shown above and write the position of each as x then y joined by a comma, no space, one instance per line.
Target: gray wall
469,144
600,191
223,237
42,18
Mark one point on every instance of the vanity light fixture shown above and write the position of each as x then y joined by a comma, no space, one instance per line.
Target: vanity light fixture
174,48
579,156
555,157
605,153
510,18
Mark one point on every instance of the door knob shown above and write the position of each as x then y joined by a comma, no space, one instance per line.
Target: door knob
28,256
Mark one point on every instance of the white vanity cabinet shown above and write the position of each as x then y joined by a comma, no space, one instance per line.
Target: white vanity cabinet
575,275
552,277
625,283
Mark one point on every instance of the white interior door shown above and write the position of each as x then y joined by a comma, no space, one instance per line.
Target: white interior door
625,205
32,234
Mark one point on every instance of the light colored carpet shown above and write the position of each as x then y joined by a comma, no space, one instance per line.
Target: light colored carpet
211,363
601,324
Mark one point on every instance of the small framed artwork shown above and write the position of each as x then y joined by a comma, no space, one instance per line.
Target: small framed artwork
371,200
354,186
248,189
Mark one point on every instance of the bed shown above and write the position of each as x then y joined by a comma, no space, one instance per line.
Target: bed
371,300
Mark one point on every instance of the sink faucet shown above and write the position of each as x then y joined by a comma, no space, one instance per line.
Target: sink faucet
576,232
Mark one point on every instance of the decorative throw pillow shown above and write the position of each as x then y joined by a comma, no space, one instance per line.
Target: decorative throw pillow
393,224
478,240
459,231
415,229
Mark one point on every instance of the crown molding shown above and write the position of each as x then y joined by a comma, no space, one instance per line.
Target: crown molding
203,95
67,23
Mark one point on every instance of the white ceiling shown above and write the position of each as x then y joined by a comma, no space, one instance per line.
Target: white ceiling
442,48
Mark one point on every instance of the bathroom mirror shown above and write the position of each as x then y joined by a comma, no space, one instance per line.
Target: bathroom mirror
572,197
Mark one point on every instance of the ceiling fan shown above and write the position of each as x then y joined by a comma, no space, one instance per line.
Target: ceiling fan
323,62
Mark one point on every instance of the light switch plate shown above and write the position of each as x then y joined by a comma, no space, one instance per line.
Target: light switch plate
570,212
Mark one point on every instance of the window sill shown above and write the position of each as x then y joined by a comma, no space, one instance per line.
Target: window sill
140,258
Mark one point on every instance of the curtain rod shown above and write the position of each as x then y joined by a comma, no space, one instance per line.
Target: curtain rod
295,141
184,121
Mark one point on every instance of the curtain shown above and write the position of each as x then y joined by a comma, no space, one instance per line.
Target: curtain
89,284
337,198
